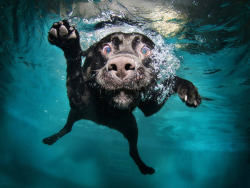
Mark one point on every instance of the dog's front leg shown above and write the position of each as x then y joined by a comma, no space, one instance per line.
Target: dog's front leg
67,38
72,118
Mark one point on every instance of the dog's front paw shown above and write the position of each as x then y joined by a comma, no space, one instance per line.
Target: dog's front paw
188,93
63,35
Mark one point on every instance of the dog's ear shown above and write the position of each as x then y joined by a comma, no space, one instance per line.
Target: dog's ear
91,56
84,53
90,51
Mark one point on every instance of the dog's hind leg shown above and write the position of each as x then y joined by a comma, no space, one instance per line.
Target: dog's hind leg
133,151
72,118
128,127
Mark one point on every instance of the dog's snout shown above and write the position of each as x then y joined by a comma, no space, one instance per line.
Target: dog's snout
121,66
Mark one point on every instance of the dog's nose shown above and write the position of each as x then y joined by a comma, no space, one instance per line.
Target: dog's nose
121,66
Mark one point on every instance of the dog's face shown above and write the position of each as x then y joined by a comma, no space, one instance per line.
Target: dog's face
121,66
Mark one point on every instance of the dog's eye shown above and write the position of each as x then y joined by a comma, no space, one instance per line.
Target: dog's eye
145,50
106,49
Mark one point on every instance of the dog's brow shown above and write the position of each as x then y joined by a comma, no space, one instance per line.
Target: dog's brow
135,41
116,41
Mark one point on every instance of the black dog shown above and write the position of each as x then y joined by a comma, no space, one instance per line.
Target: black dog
117,76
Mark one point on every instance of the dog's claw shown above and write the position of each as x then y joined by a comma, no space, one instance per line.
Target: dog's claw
195,103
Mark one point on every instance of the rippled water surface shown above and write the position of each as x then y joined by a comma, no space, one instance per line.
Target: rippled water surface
206,42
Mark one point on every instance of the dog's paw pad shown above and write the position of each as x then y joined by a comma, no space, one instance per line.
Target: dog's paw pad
63,31
72,35
53,32
62,35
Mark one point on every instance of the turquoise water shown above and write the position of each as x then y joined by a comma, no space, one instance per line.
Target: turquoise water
206,42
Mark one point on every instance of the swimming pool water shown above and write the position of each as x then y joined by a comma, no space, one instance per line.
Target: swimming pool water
206,42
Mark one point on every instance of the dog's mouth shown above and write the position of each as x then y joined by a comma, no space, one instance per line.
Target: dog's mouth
124,99
123,94
138,80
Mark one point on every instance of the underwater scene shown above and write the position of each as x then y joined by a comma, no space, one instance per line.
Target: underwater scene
204,41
